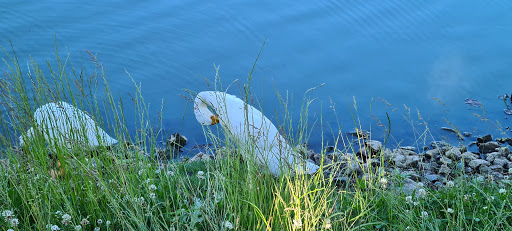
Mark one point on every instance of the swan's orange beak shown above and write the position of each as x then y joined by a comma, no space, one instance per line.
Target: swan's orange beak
215,119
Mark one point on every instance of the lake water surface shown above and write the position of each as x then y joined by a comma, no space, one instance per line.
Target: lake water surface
402,52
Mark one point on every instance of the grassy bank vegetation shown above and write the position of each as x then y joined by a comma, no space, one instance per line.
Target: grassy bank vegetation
120,188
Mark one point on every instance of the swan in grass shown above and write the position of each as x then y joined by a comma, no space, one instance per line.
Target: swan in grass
271,149
63,124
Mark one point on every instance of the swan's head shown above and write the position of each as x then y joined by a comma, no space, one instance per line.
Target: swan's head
203,114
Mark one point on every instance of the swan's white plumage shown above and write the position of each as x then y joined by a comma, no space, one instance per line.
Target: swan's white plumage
271,148
61,124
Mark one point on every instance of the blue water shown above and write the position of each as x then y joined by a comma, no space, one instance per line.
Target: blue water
405,52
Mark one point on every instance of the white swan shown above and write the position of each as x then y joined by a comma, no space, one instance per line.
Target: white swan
271,149
63,124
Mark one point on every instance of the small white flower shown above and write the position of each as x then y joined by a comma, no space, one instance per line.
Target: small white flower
420,185
200,175
422,193
14,222
84,222
157,171
510,171
66,219
152,187
384,181
97,229
228,225
450,184
449,210
485,207
297,224
477,219
152,195
54,228
108,223
140,172
99,221
327,224
78,227
170,173
408,199
8,215
416,203
502,191
10,230
424,214
58,212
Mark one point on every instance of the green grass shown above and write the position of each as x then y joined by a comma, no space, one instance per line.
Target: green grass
120,189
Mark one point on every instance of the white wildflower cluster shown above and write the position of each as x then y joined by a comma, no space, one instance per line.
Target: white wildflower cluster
502,191
152,195
327,224
170,173
84,221
408,199
66,219
450,184
52,227
297,224
422,193
228,225
200,175
97,229
10,218
78,227
140,200
424,214
384,182
449,210
152,187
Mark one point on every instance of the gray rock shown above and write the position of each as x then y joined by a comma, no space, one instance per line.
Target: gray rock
409,186
432,177
399,160
444,170
496,168
200,157
497,176
504,151
430,154
478,163
412,175
439,144
374,146
467,134
488,147
484,169
484,139
354,168
388,155
504,163
412,161
491,156
176,141
422,166
453,153
445,160
408,148
469,156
